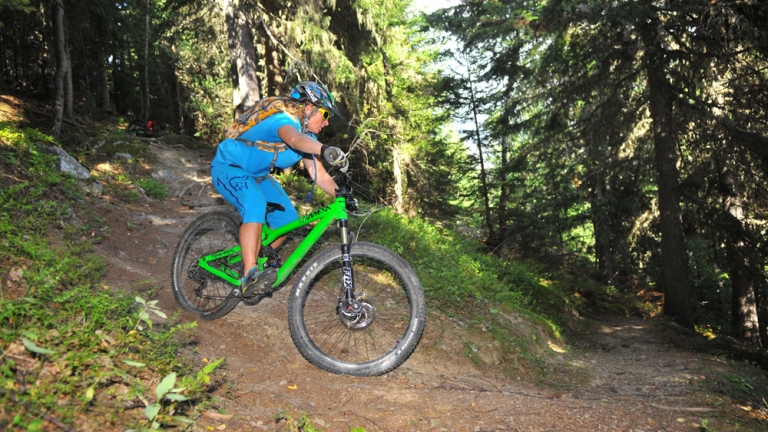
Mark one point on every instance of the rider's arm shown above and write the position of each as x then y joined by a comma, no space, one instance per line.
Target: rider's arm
324,180
298,141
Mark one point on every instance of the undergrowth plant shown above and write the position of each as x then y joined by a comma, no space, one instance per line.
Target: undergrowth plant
301,424
461,278
453,269
153,188
72,350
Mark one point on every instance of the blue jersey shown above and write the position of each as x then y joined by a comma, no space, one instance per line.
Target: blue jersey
254,160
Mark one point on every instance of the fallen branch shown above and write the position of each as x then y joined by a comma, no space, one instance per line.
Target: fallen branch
184,191
216,416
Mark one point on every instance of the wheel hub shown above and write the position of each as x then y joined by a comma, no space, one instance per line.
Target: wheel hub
357,316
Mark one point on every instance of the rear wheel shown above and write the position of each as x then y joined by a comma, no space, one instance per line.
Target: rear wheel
194,288
373,336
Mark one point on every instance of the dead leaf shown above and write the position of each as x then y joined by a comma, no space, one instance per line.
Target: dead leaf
293,387
218,416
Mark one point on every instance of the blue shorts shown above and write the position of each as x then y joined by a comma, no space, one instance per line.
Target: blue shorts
250,196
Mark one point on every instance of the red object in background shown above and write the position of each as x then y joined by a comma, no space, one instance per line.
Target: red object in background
151,127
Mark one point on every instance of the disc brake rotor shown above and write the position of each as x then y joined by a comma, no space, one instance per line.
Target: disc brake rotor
360,319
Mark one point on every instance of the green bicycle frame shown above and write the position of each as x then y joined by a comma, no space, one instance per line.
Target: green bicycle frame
221,263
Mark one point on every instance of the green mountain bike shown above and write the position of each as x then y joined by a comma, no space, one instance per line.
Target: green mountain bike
355,309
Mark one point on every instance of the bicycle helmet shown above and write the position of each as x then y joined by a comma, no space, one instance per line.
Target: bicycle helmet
316,94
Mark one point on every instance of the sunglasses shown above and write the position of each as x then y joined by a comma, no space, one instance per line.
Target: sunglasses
324,112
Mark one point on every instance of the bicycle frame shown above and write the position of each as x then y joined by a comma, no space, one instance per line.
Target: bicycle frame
221,263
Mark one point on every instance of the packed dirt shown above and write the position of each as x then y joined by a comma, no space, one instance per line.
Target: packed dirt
636,377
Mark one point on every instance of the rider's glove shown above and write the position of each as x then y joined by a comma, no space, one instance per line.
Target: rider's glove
335,157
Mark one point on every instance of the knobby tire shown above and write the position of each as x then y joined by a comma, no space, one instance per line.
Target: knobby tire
373,345
195,289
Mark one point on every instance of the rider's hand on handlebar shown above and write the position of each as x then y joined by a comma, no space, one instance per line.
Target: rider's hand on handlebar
335,157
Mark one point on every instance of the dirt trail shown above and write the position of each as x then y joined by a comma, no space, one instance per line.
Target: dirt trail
638,381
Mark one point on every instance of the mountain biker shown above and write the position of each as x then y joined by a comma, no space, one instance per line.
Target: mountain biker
240,169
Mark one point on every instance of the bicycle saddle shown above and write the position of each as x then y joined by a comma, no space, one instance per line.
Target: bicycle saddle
274,207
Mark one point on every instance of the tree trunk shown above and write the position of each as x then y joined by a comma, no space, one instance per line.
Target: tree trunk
61,67
105,103
558,212
503,186
411,194
603,238
744,320
275,83
2,55
273,59
16,58
68,93
179,124
242,57
678,292
387,73
483,174
602,231
398,174
117,82
145,94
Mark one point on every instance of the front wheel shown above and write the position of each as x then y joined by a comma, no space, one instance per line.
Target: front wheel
384,330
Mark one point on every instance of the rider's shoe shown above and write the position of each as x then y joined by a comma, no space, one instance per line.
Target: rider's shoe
256,282
250,278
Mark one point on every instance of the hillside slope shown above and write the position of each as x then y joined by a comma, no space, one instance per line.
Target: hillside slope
617,373
632,372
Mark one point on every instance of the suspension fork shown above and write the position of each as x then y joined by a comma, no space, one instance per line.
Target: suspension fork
348,281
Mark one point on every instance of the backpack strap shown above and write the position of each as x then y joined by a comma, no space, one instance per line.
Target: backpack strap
274,147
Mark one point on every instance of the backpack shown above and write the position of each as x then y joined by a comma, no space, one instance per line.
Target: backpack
265,108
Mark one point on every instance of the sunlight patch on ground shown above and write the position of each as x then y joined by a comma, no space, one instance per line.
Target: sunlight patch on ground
10,109
107,167
706,331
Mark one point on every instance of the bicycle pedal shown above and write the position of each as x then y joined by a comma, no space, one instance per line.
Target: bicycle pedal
253,301
262,284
